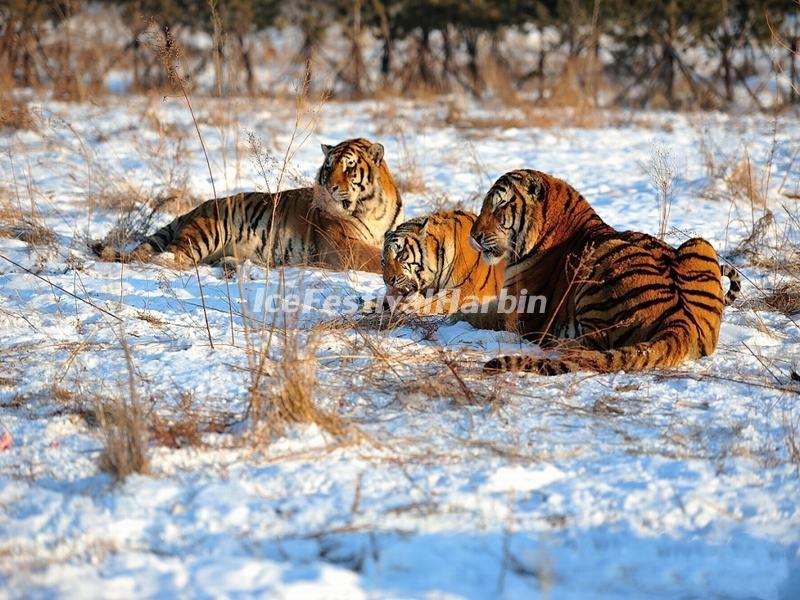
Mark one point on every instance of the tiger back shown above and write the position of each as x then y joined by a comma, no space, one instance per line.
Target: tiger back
426,256
338,223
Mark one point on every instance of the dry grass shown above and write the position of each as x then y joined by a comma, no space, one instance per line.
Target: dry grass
287,398
784,298
139,215
460,119
793,441
15,114
186,427
25,225
525,115
447,379
743,184
769,248
125,437
28,229
443,201
124,428
407,175
661,170
386,320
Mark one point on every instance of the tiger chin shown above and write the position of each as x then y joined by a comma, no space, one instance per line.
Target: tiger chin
339,223
616,300
430,267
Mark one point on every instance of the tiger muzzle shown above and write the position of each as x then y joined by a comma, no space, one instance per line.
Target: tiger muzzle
399,285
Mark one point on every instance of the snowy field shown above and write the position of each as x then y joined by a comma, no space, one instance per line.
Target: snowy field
680,483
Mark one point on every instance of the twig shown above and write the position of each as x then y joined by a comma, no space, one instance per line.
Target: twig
763,364
58,287
172,72
202,296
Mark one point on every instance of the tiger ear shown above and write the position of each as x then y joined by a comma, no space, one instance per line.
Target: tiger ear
535,188
326,149
424,229
375,152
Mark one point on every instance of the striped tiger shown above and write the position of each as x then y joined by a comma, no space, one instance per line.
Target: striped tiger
426,256
338,223
624,300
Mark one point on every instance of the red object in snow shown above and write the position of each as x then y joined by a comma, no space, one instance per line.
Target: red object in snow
5,441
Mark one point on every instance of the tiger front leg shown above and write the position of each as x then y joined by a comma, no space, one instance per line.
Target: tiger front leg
184,256
482,316
230,266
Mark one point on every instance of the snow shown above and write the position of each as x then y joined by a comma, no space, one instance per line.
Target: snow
675,483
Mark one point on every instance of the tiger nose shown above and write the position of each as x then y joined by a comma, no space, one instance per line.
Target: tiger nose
334,188
392,280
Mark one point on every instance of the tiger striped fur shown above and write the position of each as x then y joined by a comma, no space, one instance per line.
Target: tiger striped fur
625,300
339,223
734,283
428,255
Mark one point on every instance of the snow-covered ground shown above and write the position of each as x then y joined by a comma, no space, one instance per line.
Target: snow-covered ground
669,484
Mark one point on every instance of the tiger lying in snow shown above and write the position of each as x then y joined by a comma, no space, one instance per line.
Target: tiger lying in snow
429,267
624,299
339,223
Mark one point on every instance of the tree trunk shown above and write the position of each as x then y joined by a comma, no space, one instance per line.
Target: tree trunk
727,75
447,50
386,59
726,48
472,38
540,66
359,70
669,54
669,75
423,56
307,53
388,41
247,63
794,81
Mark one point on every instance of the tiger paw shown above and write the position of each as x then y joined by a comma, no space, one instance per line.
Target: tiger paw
229,268
494,366
477,320
370,307
455,317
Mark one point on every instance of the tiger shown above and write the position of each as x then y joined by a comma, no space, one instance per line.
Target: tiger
430,267
338,223
621,300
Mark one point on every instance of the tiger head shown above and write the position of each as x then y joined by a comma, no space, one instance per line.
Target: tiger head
511,217
407,263
352,173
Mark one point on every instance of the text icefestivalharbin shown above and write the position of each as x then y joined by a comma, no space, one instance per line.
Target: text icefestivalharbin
429,304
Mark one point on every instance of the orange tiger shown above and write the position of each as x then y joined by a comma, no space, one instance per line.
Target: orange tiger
338,223
627,300
428,255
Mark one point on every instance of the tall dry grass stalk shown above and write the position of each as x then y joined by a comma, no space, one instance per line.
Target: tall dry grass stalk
170,54
124,428
284,395
661,170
